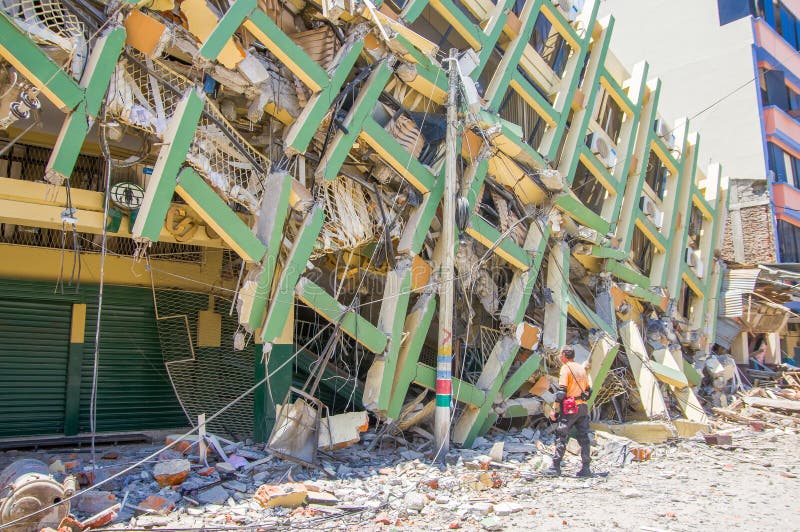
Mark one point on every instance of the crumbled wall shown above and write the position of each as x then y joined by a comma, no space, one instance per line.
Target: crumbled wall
750,223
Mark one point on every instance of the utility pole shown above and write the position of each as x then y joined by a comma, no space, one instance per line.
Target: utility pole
444,359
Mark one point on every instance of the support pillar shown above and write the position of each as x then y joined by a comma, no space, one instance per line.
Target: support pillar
177,140
74,362
273,367
646,382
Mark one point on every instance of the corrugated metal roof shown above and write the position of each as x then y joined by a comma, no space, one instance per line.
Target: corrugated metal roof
736,283
727,329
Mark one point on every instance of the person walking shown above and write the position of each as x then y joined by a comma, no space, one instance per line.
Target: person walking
570,410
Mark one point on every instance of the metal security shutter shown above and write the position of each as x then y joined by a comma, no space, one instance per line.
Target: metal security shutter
134,391
34,348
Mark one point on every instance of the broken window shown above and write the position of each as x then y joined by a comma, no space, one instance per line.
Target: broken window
515,109
609,115
589,189
436,29
788,242
656,175
467,13
695,224
490,67
686,301
642,251
550,44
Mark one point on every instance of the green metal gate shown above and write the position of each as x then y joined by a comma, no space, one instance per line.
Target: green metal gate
34,349
134,391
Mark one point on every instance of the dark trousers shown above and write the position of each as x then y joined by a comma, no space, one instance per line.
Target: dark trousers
581,423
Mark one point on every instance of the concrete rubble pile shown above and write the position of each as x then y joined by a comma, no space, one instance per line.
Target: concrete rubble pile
381,482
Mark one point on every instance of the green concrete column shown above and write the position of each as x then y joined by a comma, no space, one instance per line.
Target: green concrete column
273,390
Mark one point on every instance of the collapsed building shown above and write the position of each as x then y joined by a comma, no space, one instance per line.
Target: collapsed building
201,195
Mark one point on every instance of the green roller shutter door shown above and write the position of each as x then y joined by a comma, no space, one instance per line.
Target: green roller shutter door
134,391
34,348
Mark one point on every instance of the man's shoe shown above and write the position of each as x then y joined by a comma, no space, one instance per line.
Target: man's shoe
552,471
585,472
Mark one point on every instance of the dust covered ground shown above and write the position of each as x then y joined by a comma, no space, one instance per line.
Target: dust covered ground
385,484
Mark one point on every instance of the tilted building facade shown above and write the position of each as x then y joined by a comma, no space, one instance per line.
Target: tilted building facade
275,174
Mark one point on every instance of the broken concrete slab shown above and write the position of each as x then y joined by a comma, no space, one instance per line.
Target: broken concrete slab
342,430
288,495
213,495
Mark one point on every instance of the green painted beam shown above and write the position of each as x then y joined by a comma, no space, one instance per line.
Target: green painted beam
218,215
492,31
620,92
426,68
605,173
463,25
286,50
462,391
692,375
417,324
581,307
576,210
522,374
177,140
413,9
603,252
621,271
397,157
667,374
302,130
507,137
526,87
342,142
521,288
646,295
474,177
506,248
496,91
280,207
556,311
68,144
351,322
37,67
227,25
391,321
419,223
283,295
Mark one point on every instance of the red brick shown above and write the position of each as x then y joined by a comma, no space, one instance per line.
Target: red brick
157,504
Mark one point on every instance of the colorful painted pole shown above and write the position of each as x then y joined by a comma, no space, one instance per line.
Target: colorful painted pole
444,359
